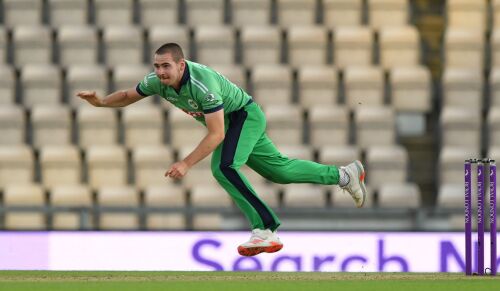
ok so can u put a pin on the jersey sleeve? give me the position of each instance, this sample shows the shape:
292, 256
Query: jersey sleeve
208, 94
148, 86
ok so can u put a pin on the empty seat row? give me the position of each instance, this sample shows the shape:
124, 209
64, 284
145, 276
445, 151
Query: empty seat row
110, 165
399, 46
408, 88
54, 125
202, 12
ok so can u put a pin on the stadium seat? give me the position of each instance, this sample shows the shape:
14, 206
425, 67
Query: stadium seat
180, 123
123, 43
234, 73
451, 195
386, 164
261, 45
462, 88
16, 165
215, 45
128, 76
411, 89
337, 13
338, 155
388, 13
374, 126
159, 12
307, 43
495, 48
150, 162
493, 127
107, 166
96, 126
64, 12
494, 84
317, 86
460, 127
284, 124
159, 35
206, 196
451, 164
353, 46
394, 195
74, 196
86, 77
342, 199
165, 196
77, 45
32, 45
328, 125
25, 195
3, 45
22, 12
464, 48
42, 85
7, 85
272, 84
466, 14
60, 165
118, 196
364, 86
209, 196
208, 221
495, 11
304, 196
268, 193
52, 125
200, 174
201, 12
296, 12
113, 12
399, 46
12, 125
250, 12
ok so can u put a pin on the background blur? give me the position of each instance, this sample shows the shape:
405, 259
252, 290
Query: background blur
411, 88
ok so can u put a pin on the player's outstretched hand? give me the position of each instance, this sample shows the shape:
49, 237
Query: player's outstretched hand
91, 97
177, 170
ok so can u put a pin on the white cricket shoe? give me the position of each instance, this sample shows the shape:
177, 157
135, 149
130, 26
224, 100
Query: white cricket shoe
356, 186
262, 240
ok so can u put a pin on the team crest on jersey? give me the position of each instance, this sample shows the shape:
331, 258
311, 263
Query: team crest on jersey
192, 103
210, 97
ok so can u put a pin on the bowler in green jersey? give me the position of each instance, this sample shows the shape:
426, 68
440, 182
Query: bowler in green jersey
235, 136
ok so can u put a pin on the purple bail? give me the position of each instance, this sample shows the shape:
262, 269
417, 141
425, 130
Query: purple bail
493, 217
480, 218
468, 216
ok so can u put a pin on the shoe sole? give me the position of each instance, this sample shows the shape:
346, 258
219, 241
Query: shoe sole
361, 181
249, 252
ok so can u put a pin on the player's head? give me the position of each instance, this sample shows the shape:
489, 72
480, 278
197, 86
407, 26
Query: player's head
169, 63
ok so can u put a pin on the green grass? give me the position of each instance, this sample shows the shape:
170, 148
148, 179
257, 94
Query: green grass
240, 281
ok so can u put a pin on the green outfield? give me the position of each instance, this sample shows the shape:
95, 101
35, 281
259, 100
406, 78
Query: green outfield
240, 281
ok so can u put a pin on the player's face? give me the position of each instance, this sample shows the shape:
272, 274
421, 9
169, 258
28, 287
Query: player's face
168, 71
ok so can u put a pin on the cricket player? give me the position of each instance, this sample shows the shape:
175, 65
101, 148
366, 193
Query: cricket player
235, 136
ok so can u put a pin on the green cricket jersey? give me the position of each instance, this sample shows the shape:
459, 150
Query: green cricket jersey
203, 91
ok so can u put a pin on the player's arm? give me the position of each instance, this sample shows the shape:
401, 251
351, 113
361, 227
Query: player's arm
116, 99
214, 136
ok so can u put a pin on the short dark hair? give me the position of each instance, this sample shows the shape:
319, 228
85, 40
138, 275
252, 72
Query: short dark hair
173, 49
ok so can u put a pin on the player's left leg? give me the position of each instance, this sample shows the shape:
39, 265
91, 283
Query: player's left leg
266, 160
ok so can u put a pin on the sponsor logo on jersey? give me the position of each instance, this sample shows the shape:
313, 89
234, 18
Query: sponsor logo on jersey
171, 99
192, 103
193, 113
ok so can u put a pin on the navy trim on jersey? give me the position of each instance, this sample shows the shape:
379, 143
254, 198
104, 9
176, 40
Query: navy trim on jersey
236, 121
186, 75
212, 110
138, 89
